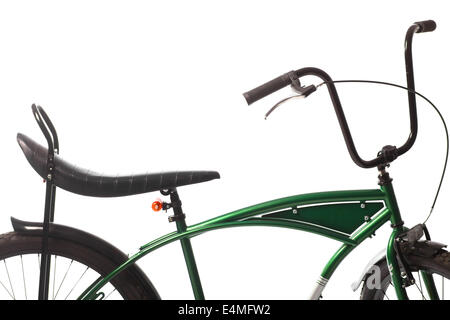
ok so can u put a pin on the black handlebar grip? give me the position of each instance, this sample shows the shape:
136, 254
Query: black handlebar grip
426, 26
268, 88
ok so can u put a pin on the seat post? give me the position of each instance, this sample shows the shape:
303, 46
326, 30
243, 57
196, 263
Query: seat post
179, 218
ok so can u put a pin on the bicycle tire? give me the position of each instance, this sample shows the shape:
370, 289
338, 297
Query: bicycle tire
438, 264
127, 283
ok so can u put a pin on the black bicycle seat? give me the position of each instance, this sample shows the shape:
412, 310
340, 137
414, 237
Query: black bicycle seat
85, 182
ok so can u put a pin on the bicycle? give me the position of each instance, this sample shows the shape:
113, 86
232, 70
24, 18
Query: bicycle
350, 217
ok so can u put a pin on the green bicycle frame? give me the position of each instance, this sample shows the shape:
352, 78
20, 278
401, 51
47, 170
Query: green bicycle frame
346, 216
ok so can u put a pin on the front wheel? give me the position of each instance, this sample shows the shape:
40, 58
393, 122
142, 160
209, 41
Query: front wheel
378, 285
74, 267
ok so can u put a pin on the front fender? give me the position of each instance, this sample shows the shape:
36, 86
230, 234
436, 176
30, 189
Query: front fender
421, 249
377, 258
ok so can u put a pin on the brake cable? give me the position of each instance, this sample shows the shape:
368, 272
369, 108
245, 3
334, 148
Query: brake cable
397, 86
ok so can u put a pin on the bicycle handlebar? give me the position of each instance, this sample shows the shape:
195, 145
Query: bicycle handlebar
426, 26
268, 88
382, 158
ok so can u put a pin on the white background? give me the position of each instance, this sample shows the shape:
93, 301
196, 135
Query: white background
135, 85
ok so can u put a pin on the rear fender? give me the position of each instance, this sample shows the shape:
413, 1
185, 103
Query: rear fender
88, 240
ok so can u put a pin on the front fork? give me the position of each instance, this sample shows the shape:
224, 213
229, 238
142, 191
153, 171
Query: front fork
393, 266
397, 279
391, 255
385, 182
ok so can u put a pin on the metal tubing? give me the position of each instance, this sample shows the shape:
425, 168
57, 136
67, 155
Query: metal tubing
191, 265
430, 285
393, 266
391, 203
192, 232
45, 124
244, 217
341, 116
52, 211
192, 269
44, 276
302, 199
397, 225
411, 95
367, 231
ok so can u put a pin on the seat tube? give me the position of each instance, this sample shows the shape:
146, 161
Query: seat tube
397, 226
186, 246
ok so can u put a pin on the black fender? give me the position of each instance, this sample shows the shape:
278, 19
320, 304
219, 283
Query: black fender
418, 254
90, 241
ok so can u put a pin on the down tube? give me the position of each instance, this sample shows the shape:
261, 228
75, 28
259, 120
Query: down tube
348, 242
175, 236
244, 217
367, 231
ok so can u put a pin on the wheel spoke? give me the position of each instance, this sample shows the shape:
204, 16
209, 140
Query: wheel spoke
420, 283
427, 275
109, 294
9, 279
385, 290
6, 289
392, 285
64, 278
23, 277
70, 277
54, 279
423, 297
76, 283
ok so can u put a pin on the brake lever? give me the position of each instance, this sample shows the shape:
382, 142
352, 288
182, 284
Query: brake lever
304, 92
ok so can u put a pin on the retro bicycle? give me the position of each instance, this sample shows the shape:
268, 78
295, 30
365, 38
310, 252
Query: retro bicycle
411, 265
